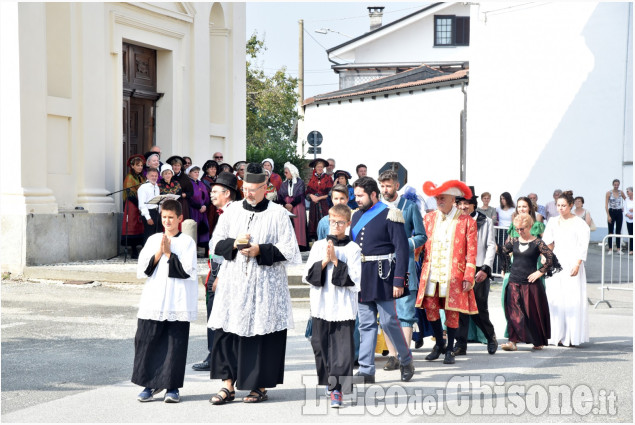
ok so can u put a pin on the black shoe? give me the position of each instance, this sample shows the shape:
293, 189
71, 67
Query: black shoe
449, 358
368, 379
492, 345
418, 344
437, 350
202, 366
407, 371
459, 351
392, 363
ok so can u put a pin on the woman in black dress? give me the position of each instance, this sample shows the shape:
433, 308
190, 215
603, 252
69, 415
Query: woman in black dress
526, 306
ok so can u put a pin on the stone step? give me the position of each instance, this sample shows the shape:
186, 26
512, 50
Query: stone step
126, 273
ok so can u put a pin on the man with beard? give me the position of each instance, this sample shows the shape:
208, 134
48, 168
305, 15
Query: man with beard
447, 275
416, 235
485, 252
222, 194
252, 306
379, 231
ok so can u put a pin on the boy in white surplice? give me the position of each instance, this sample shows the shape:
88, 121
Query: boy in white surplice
334, 270
169, 303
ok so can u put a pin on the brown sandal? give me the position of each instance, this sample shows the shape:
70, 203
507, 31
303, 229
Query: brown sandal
537, 347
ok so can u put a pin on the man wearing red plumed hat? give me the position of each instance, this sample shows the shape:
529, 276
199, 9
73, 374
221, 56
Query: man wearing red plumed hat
449, 265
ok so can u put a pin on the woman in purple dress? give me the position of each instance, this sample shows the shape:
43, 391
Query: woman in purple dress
291, 196
199, 202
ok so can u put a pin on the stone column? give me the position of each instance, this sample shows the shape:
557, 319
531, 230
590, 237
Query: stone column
237, 102
92, 111
24, 188
199, 79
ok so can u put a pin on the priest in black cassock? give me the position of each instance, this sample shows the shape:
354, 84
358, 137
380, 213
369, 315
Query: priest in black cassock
252, 306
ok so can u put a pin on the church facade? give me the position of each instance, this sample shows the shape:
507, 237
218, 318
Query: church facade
86, 85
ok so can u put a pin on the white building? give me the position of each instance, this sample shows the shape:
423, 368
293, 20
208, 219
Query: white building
550, 100
548, 105
68, 71
409, 118
404, 113
437, 35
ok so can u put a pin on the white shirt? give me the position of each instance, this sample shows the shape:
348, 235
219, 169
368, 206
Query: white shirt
505, 217
146, 192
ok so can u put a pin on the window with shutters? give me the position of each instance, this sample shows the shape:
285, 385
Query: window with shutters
451, 30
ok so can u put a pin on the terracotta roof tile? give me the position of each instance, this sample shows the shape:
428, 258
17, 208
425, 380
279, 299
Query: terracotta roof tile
458, 75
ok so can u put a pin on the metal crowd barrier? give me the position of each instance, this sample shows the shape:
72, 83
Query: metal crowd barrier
500, 235
620, 279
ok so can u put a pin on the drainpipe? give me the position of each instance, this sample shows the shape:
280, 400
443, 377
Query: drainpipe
463, 147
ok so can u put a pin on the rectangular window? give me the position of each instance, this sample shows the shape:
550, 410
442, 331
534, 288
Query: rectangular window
451, 30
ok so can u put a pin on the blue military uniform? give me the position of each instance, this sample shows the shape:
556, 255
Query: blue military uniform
380, 236
416, 234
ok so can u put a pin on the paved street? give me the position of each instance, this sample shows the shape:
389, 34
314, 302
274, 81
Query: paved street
67, 354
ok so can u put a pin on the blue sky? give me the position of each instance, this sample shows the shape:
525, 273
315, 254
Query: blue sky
277, 24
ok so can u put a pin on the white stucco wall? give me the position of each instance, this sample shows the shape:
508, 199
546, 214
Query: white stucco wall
550, 100
420, 130
62, 100
407, 42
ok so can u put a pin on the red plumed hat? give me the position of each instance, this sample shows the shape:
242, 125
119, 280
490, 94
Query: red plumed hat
451, 187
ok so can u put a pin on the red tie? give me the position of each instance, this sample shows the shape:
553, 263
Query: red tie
219, 211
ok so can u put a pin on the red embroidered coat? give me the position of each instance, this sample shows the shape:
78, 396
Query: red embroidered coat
463, 255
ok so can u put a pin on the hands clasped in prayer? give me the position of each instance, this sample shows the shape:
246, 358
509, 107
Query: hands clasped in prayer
329, 255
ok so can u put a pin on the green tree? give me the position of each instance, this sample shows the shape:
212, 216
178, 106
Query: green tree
271, 112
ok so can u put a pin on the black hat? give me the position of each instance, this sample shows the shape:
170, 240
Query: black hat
255, 173
209, 164
228, 180
171, 159
237, 165
342, 172
223, 165
150, 153
471, 200
313, 163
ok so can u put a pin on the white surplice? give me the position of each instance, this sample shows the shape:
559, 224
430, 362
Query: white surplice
163, 297
329, 302
251, 299
567, 294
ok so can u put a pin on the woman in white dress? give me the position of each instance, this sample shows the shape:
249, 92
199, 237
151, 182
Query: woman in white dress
568, 237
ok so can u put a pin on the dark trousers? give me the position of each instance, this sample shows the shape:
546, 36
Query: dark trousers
615, 226
629, 226
334, 351
481, 293
151, 229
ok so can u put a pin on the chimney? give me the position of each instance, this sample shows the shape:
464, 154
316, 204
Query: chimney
375, 13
